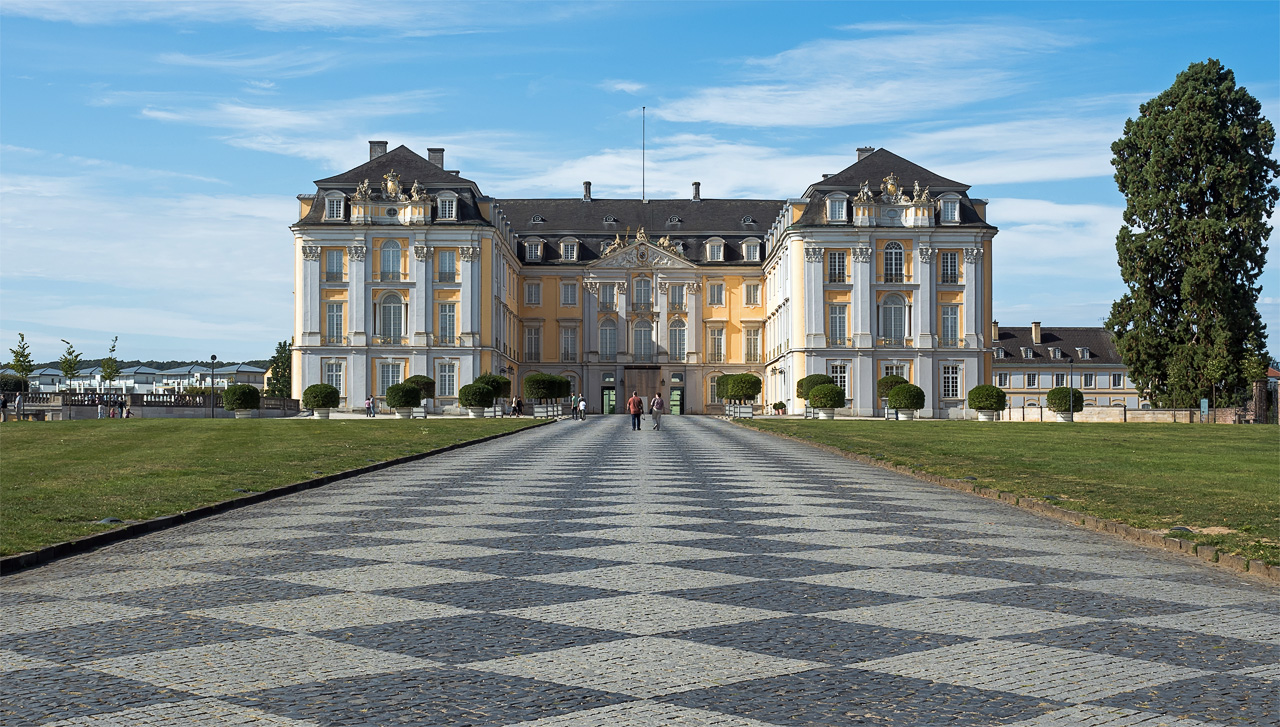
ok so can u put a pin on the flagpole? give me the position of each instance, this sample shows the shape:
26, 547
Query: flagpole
642, 150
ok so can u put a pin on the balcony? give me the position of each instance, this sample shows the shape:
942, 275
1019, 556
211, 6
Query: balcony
951, 343
643, 357
677, 306
388, 341
893, 278
391, 275
333, 276
839, 342
641, 306
447, 276
677, 357
715, 357
532, 357
609, 356
837, 278
950, 279
753, 358
335, 341
890, 342
568, 357
608, 305
447, 341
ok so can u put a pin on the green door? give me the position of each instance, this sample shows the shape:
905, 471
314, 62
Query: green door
608, 400
677, 400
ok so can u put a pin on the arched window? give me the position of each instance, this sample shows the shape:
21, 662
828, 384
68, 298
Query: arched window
893, 262
609, 340
643, 293
391, 316
893, 319
390, 260
677, 341
642, 341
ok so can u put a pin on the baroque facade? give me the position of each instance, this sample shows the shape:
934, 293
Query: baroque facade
403, 267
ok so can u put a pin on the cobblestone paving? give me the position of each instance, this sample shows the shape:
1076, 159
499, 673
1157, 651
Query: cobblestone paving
583, 575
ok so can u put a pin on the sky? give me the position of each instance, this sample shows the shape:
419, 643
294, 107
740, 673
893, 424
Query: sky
151, 151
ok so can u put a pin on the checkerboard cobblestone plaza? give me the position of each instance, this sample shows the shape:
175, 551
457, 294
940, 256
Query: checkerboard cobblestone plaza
582, 574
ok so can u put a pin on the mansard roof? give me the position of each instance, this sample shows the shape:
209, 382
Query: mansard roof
701, 217
408, 164
1101, 345
879, 164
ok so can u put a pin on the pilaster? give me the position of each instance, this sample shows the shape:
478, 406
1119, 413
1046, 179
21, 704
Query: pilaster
471, 286
421, 293
925, 304
863, 298
814, 325
973, 286
357, 295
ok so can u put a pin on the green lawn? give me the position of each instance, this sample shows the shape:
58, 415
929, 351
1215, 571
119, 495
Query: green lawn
58, 478
1153, 476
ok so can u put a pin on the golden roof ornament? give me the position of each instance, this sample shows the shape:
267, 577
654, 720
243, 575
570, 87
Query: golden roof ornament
391, 185
890, 185
362, 191
417, 193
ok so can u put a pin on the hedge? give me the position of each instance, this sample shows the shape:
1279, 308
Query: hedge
738, 387
804, 385
987, 398
476, 395
401, 396
540, 387
906, 396
321, 396
12, 382
425, 384
887, 384
501, 385
826, 396
1063, 398
241, 396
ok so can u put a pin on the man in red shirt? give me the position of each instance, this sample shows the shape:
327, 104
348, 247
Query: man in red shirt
635, 405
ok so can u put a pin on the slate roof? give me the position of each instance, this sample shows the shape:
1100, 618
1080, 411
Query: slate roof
139, 370
407, 163
1102, 348
240, 369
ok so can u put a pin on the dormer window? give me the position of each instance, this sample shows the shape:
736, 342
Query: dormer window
748, 220
1000, 352
537, 219
1055, 352
533, 251
950, 210
836, 204
447, 206
673, 220
1082, 352
610, 220
334, 206
715, 250
569, 250
751, 251
1027, 352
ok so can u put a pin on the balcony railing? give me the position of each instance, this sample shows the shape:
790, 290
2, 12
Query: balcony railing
388, 340
389, 275
641, 306
890, 342
568, 357
951, 343
677, 357
334, 340
532, 357
449, 341
447, 276
677, 306
714, 357
608, 357
839, 341
950, 279
606, 305
837, 278
753, 358
893, 278
643, 358
332, 276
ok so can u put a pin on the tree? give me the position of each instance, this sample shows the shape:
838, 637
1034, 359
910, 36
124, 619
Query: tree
1195, 168
22, 363
110, 366
281, 368
69, 363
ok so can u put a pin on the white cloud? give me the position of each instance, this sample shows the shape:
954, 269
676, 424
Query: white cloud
631, 87
891, 72
286, 64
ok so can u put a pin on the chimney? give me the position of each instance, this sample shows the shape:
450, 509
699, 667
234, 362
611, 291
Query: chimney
697, 191
864, 152
995, 331
377, 149
436, 156
586, 191
1035, 332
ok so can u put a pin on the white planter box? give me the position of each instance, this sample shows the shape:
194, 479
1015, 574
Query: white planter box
475, 412
321, 413
404, 412
826, 413
245, 413
1063, 416
986, 415
906, 415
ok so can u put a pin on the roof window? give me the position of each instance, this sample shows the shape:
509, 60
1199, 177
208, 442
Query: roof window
1027, 352
537, 219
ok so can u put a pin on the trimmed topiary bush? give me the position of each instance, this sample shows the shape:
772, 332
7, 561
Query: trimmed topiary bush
738, 387
826, 396
987, 397
1064, 399
476, 395
321, 396
906, 396
401, 396
541, 387
501, 385
887, 384
241, 396
806, 384
779, 406
425, 384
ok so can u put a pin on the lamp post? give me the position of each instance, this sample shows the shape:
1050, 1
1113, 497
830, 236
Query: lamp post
213, 359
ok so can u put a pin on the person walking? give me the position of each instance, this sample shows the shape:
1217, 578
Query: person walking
656, 406
368, 406
517, 406
17, 405
102, 410
120, 405
4, 408
573, 406
582, 408
635, 405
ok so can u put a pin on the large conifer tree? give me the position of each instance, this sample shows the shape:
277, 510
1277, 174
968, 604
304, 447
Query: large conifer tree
1195, 168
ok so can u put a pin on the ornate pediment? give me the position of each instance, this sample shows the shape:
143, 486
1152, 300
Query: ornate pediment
641, 252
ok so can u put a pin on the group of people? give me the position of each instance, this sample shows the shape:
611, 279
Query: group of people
635, 406
578, 406
108, 406
4, 405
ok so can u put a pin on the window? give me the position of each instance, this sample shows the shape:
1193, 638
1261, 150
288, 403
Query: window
753, 294
569, 251
391, 318
836, 267
950, 325
895, 370
715, 252
533, 251
715, 294
839, 372
447, 379
1055, 352
388, 375
390, 260
675, 297
1032, 381
715, 353
1089, 381
835, 208
1117, 381
1059, 380
569, 294
533, 294
1028, 352
448, 322
751, 251
333, 322
608, 297
677, 343
951, 381
532, 345
751, 345
893, 320
1083, 353
1000, 352
893, 262
333, 208
568, 345
713, 396
333, 266
643, 292
950, 210
333, 374
609, 341
447, 206
1002, 380
448, 267
837, 324
642, 341
950, 265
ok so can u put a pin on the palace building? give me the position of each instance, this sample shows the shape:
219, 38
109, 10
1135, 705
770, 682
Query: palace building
403, 267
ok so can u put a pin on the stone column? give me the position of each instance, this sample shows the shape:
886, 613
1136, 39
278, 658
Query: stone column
661, 318
973, 285
471, 286
925, 302
420, 294
694, 332
590, 320
863, 297
814, 325
310, 294
357, 293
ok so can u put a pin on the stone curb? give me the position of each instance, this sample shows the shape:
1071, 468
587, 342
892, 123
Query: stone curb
22, 561
1206, 553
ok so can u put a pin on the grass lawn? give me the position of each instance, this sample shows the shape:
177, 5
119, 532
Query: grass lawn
1221, 481
58, 478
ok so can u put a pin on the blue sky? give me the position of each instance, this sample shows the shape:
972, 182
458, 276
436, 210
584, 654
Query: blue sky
150, 151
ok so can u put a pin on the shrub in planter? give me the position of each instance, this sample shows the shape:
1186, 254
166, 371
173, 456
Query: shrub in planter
1063, 399
826, 396
241, 396
806, 384
425, 384
540, 387
887, 384
906, 396
321, 396
779, 406
987, 398
738, 387
501, 385
402, 396
476, 396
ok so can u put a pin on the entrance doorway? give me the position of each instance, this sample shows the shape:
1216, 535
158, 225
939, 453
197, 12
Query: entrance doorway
643, 381
608, 400
677, 400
